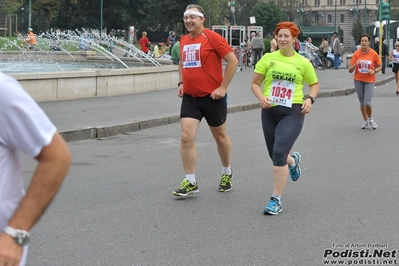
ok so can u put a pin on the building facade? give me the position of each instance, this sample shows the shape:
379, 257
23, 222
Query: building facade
340, 14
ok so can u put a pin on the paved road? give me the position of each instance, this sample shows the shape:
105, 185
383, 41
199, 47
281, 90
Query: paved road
116, 206
106, 116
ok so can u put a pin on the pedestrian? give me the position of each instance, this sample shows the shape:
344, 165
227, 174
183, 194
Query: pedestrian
25, 129
365, 62
175, 54
310, 49
337, 51
324, 47
111, 41
384, 53
273, 44
283, 74
30, 39
203, 89
257, 47
144, 43
394, 56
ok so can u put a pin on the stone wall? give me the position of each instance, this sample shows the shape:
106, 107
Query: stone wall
51, 86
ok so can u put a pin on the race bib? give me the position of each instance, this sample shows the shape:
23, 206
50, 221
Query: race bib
191, 55
364, 66
282, 92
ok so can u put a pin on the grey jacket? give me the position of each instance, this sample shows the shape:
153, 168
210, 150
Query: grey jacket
257, 43
337, 49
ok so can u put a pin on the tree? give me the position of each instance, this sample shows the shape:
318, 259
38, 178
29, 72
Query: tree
357, 30
268, 15
10, 6
48, 7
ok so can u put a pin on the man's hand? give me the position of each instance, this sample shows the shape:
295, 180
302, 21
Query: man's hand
180, 91
219, 93
10, 252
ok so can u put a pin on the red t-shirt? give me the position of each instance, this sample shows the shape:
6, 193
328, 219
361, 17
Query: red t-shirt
370, 60
143, 43
201, 58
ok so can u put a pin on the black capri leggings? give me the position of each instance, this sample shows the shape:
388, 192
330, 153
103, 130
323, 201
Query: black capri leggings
281, 127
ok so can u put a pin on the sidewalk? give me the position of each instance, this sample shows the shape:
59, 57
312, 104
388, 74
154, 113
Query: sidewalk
102, 117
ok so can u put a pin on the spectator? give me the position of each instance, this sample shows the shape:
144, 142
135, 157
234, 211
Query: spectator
337, 50
273, 44
324, 47
111, 41
84, 42
257, 47
384, 53
310, 49
161, 51
30, 39
175, 54
144, 43
25, 129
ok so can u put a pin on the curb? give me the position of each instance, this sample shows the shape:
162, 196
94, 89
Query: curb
101, 132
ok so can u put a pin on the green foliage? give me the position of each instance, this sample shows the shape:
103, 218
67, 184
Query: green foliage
10, 6
268, 15
266, 41
357, 30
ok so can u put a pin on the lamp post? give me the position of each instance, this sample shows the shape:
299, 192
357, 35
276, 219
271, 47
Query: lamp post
300, 11
101, 18
30, 14
335, 15
365, 16
232, 5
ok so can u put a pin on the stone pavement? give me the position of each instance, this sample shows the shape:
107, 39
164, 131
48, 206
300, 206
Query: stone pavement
101, 117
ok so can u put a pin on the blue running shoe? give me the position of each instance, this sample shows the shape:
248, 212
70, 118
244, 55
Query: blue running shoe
273, 208
295, 171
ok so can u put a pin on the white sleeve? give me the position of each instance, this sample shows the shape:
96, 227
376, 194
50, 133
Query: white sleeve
23, 124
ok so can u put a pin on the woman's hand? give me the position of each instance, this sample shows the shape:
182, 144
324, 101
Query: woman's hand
265, 102
306, 106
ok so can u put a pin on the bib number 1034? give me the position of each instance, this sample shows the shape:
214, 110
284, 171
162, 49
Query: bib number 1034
281, 93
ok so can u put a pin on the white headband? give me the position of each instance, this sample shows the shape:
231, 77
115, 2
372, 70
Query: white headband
192, 12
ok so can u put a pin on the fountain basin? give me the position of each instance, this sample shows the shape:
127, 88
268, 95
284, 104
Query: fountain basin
50, 86
83, 83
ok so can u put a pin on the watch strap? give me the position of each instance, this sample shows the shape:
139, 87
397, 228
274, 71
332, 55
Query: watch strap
16, 234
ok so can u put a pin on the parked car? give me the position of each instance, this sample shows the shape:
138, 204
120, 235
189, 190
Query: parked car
330, 56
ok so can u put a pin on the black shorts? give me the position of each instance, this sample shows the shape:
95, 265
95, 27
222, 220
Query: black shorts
395, 67
281, 127
214, 111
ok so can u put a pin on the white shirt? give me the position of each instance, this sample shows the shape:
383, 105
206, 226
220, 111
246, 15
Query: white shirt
310, 49
24, 128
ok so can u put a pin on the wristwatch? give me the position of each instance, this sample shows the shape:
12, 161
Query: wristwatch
311, 99
178, 84
21, 237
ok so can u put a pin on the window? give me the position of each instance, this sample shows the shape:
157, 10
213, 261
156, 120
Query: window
342, 18
329, 2
317, 2
343, 2
316, 19
329, 18
358, 2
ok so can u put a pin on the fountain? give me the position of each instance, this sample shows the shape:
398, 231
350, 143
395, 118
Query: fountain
55, 72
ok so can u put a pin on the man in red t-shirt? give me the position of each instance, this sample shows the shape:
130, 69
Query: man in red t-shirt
203, 87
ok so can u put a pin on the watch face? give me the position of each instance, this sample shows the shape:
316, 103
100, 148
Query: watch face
21, 239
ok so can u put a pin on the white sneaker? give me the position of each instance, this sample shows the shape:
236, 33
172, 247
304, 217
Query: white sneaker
366, 124
372, 123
